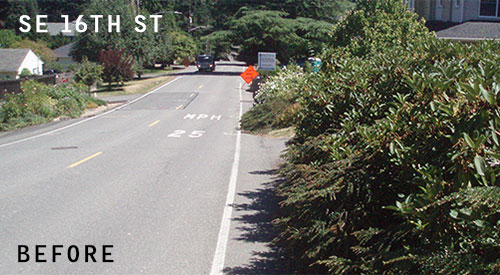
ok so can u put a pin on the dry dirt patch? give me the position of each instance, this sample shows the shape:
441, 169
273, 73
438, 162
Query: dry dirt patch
139, 86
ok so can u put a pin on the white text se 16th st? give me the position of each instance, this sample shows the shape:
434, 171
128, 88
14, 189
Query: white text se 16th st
113, 23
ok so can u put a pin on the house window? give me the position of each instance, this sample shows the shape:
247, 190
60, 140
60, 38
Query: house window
489, 8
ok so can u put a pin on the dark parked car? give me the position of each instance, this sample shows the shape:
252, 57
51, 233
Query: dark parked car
51, 72
205, 63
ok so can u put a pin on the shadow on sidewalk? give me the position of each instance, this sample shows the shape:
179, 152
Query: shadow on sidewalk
258, 227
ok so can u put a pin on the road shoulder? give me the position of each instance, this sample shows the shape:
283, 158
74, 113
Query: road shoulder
249, 248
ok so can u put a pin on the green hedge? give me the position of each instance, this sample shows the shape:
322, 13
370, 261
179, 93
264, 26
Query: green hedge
393, 169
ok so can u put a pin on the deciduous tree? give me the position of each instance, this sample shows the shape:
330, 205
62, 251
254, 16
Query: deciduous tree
88, 73
8, 38
144, 47
117, 66
39, 48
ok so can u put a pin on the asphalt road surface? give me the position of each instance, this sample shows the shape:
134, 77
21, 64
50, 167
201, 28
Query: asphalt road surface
168, 181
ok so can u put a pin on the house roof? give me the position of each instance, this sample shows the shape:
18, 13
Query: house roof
471, 31
11, 59
57, 28
64, 51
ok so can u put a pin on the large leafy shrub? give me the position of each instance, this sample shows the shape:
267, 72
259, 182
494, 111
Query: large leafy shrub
285, 84
276, 101
38, 103
394, 166
32, 105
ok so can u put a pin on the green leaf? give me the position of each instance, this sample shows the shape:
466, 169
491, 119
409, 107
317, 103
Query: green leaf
469, 141
454, 214
493, 154
409, 199
391, 148
433, 106
391, 207
479, 223
489, 97
466, 212
494, 135
455, 156
480, 165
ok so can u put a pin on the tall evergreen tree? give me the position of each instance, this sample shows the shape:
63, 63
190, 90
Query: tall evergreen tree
16, 8
142, 46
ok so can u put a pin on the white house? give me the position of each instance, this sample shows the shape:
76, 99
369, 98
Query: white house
457, 11
460, 20
13, 61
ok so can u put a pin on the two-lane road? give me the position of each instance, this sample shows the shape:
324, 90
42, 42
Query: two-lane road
151, 179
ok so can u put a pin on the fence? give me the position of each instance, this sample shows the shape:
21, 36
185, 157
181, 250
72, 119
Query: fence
14, 86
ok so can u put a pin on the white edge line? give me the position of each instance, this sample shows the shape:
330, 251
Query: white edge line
88, 119
220, 251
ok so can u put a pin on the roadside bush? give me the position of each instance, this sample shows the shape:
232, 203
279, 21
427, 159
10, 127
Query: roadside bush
32, 105
285, 84
88, 73
276, 101
394, 166
25, 72
39, 103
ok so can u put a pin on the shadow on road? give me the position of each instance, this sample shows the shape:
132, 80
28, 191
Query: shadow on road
216, 73
236, 64
258, 227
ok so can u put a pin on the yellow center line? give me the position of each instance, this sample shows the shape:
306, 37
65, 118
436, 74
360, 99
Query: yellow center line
179, 107
84, 160
191, 95
154, 123
201, 86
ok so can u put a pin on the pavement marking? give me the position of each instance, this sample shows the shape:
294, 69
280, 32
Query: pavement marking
84, 160
192, 94
220, 251
177, 134
201, 86
202, 116
194, 134
154, 123
179, 107
88, 119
